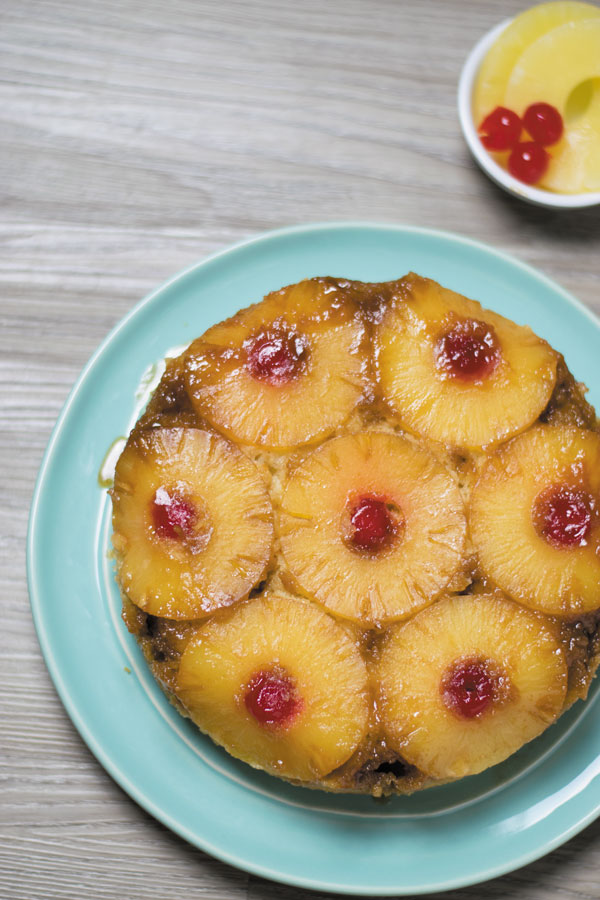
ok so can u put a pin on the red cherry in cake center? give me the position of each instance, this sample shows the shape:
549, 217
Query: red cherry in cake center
276, 357
563, 515
469, 351
172, 515
372, 524
271, 697
469, 687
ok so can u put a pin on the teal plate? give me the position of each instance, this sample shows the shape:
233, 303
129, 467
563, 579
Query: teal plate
444, 838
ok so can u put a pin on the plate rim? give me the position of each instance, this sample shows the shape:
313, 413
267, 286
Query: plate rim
35, 591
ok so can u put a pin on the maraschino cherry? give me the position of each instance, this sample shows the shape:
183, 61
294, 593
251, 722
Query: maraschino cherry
271, 698
563, 515
468, 688
469, 351
500, 130
372, 525
528, 162
173, 516
544, 123
276, 357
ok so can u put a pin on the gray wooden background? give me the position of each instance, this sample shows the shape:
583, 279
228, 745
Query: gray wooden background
136, 138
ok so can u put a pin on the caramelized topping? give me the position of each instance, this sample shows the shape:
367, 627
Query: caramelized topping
276, 357
563, 515
270, 697
470, 351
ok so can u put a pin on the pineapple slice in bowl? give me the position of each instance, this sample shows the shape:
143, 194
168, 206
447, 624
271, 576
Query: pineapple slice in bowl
573, 165
526, 29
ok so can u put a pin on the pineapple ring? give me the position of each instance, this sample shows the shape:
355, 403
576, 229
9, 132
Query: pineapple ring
318, 655
412, 666
409, 574
229, 547
471, 414
314, 400
504, 54
561, 581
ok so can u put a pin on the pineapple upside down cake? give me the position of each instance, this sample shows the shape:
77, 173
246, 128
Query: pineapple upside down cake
357, 535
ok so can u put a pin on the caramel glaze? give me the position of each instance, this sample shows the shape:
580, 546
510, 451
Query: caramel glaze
374, 768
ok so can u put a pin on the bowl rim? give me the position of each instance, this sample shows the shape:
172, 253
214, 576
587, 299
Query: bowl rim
492, 169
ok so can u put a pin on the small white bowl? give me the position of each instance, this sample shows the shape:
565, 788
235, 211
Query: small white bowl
484, 159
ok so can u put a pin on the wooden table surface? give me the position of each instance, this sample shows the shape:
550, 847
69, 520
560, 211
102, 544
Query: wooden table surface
138, 137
